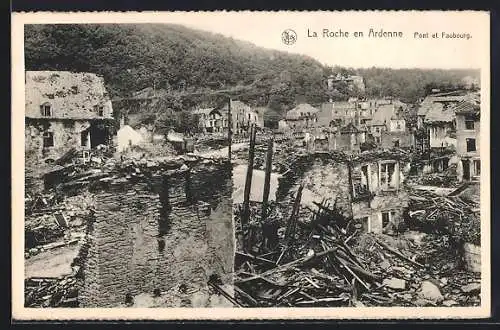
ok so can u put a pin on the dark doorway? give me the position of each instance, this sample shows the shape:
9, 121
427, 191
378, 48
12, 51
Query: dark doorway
466, 167
99, 134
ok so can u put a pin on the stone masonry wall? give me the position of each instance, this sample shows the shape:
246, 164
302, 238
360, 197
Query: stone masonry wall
323, 176
123, 246
170, 233
67, 134
394, 201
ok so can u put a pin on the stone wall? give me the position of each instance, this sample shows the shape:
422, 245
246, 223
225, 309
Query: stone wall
323, 175
394, 200
170, 234
67, 134
334, 177
123, 251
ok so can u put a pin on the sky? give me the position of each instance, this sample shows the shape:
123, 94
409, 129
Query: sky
265, 29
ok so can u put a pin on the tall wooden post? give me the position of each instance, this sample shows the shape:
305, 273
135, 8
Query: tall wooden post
267, 178
290, 229
248, 181
229, 129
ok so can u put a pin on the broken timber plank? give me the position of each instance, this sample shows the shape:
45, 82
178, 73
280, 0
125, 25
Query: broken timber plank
247, 296
397, 253
287, 266
267, 178
252, 257
248, 179
352, 272
225, 294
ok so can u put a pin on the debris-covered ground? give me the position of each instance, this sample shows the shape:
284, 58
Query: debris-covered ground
307, 253
57, 219
315, 261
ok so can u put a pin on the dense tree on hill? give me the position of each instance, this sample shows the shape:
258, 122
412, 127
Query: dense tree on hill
174, 58
410, 84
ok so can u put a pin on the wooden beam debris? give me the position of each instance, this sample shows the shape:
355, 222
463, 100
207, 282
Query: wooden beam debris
267, 178
397, 253
248, 182
292, 222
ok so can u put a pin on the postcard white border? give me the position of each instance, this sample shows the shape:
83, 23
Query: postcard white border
19, 312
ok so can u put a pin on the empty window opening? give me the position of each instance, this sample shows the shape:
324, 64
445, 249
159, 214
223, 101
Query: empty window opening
466, 169
48, 139
386, 218
84, 139
388, 177
46, 110
85, 156
469, 123
476, 167
365, 224
471, 144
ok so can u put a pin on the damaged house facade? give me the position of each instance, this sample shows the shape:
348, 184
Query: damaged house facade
388, 126
367, 187
212, 120
440, 123
435, 120
302, 116
377, 194
243, 116
468, 137
64, 110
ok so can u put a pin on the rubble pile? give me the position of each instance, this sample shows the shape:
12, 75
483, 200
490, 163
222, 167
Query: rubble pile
51, 292
454, 216
73, 178
211, 142
446, 179
51, 217
426, 266
319, 260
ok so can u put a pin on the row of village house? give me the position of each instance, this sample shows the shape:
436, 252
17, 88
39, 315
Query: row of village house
65, 110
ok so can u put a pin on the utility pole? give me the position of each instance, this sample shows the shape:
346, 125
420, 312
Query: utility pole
267, 178
229, 129
248, 182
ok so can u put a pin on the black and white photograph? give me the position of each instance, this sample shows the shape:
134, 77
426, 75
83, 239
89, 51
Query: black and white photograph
315, 162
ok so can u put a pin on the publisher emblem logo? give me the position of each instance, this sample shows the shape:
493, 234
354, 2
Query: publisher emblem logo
289, 37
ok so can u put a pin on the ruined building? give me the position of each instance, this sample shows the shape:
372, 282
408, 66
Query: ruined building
468, 135
158, 233
378, 195
367, 187
64, 110
436, 120
302, 116
353, 82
